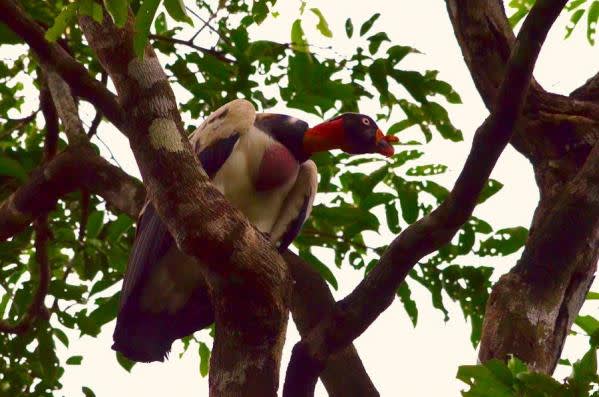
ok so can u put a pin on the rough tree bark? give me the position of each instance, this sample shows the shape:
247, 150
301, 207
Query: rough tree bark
532, 307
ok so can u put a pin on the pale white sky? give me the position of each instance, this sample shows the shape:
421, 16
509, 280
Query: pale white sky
400, 359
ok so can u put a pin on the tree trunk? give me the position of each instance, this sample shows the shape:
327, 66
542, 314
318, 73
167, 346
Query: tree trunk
531, 308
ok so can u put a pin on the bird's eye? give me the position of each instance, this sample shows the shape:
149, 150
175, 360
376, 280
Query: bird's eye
365, 121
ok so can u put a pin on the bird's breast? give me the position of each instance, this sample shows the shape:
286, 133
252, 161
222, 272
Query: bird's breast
277, 167
257, 177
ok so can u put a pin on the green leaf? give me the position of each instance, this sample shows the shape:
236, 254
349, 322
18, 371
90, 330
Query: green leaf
349, 28
94, 224
204, 352
574, 19
124, 362
12, 168
408, 199
143, 22
376, 41
592, 21
392, 218
60, 335
504, 242
118, 10
489, 190
260, 11
66, 18
323, 26
405, 296
366, 26
427, 170
592, 295
75, 360
585, 371
320, 267
485, 380
176, 9
589, 324
298, 38
87, 392
118, 227
7, 36
91, 9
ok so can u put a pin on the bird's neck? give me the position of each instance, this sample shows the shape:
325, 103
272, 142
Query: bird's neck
324, 137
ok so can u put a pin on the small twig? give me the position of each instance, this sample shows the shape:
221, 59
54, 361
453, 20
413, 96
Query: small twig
212, 16
112, 157
18, 123
93, 129
218, 55
85, 201
222, 37
36, 308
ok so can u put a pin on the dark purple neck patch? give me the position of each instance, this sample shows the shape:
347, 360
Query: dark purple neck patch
277, 167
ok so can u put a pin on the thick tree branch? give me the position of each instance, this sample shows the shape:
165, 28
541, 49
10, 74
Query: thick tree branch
311, 301
82, 84
237, 260
531, 309
36, 308
555, 132
75, 168
589, 91
375, 293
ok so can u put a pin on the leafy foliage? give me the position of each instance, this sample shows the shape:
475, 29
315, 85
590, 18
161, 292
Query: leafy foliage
363, 201
576, 9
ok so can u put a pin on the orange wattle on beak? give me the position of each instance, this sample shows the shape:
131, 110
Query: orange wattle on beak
383, 143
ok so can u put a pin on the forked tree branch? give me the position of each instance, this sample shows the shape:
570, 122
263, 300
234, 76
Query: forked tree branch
74, 168
355, 313
311, 301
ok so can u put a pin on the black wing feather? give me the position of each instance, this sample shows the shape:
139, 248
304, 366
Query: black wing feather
144, 336
294, 227
215, 155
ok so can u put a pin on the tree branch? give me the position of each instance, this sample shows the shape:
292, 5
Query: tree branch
93, 128
36, 308
236, 259
589, 91
51, 119
216, 54
555, 132
311, 301
67, 110
375, 293
72, 169
531, 308
82, 84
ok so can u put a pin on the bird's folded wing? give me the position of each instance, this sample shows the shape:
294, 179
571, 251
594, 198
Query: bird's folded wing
145, 335
296, 207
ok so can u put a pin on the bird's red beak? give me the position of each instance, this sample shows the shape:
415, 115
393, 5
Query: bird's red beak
384, 142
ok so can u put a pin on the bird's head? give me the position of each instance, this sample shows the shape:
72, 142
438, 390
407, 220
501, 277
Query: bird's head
351, 132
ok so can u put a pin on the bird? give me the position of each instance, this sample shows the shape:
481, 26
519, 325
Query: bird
261, 163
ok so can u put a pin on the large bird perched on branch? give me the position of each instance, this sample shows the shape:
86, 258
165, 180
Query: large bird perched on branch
260, 163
